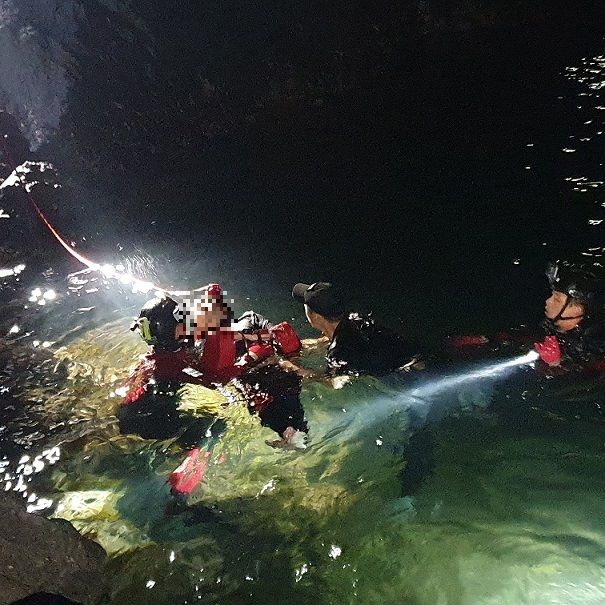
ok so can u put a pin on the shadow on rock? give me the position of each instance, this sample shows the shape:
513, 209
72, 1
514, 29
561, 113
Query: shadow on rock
44, 561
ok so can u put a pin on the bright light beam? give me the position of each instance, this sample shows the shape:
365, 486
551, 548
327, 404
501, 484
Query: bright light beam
492, 370
422, 401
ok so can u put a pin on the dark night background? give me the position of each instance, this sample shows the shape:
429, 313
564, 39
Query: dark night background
381, 145
430, 156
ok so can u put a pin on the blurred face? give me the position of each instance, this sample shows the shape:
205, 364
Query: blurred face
555, 303
208, 319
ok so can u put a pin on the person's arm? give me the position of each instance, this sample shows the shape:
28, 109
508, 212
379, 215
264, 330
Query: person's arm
255, 354
262, 344
251, 322
315, 343
308, 344
290, 366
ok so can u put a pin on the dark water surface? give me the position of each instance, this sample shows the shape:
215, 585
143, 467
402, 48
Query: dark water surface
434, 189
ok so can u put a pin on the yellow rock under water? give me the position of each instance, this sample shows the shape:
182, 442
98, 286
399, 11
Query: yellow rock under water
90, 504
94, 514
200, 400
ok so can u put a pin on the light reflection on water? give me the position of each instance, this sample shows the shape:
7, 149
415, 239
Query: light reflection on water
590, 77
504, 517
17, 476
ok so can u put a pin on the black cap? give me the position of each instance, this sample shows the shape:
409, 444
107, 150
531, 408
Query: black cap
321, 297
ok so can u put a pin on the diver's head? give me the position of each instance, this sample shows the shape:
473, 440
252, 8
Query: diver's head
206, 313
575, 294
159, 324
323, 304
564, 311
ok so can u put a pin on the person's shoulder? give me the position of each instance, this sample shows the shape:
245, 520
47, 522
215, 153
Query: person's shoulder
347, 341
375, 332
368, 346
349, 328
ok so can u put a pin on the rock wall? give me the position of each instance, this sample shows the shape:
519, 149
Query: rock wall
38, 555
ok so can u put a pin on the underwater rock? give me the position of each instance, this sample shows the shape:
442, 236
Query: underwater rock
40, 556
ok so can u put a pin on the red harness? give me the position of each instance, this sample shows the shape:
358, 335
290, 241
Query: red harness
217, 362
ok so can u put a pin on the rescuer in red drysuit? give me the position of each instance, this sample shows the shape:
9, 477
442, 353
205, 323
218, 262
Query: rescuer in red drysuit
183, 352
566, 384
568, 378
197, 342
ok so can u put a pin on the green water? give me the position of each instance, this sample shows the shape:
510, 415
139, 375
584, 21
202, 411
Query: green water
510, 514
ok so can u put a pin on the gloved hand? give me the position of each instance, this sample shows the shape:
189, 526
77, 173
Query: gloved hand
260, 351
549, 350
285, 338
291, 440
255, 353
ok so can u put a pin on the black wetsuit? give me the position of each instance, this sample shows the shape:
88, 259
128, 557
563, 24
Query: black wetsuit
156, 416
283, 387
361, 345
581, 347
250, 322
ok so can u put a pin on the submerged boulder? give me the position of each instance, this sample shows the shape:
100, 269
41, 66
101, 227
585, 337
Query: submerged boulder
39, 556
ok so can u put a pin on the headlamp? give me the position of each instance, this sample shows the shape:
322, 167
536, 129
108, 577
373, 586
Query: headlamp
145, 330
552, 273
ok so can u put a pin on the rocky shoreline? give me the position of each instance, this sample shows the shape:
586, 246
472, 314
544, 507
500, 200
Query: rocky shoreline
46, 561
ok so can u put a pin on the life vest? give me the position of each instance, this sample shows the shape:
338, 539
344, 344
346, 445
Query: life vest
217, 362
282, 337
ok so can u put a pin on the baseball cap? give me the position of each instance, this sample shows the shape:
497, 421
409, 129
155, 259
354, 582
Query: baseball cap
322, 297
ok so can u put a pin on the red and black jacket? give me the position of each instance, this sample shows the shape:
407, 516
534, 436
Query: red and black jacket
214, 363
